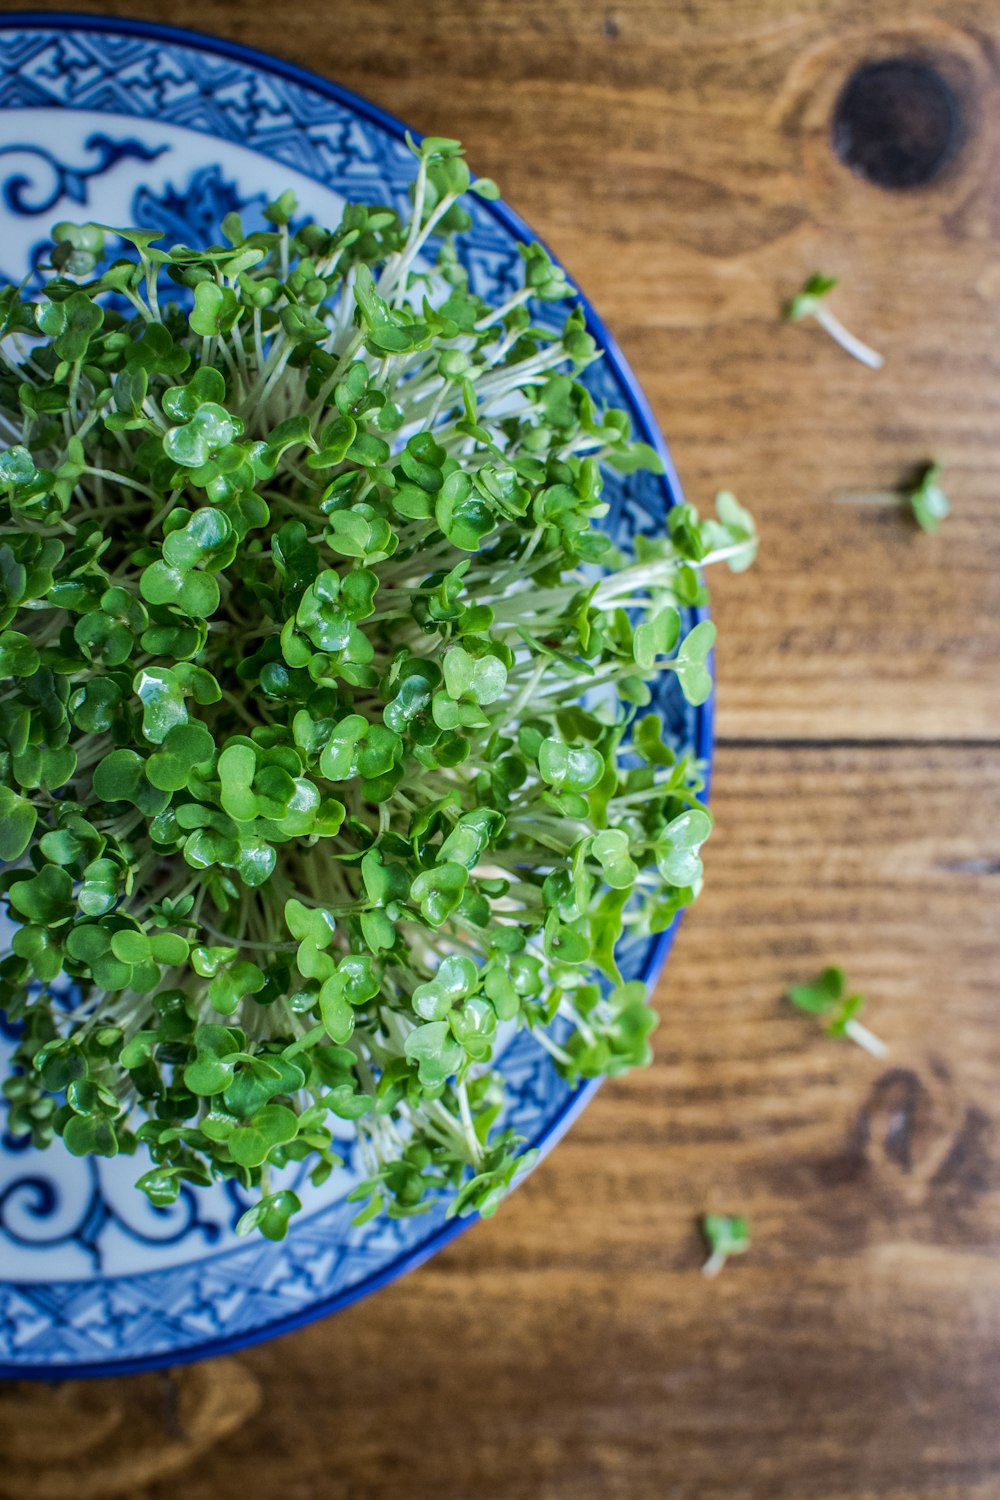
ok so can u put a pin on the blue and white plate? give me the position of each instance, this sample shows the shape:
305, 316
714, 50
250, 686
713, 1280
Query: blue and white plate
128, 123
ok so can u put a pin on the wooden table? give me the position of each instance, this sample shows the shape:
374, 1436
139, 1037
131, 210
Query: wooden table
677, 155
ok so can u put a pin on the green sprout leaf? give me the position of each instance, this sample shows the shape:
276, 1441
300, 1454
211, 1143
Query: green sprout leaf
274, 1125
928, 502
679, 845
725, 1236
18, 817
455, 980
479, 680
577, 767
435, 1052
162, 697
807, 302
691, 663
270, 1215
656, 637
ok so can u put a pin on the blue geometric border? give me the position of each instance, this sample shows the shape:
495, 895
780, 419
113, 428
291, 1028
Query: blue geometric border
210, 117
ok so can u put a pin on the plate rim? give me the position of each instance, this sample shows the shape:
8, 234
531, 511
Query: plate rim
647, 428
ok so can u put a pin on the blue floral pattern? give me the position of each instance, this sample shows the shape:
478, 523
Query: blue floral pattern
49, 181
94, 1279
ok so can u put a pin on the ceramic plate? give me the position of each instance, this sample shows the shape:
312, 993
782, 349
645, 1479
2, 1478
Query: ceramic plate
136, 124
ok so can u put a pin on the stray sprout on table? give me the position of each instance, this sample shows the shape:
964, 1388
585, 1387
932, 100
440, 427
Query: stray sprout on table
927, 503
726, 1236
828, 997
810, 302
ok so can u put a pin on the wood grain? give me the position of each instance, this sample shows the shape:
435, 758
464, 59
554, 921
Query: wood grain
676, 154
89, 1441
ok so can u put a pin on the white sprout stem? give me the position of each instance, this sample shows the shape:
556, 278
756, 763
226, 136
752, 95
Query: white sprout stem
417, 213
497, 316
551, 1048
866, 1039
847, 340
715, 1263
468, 1126
398, 279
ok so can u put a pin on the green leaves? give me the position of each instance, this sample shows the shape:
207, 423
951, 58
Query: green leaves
389, 330
577, 767
207, 539
547, 280
657, 636
361, 531
162, 698
237, 769
457, 977
18, 657
352, 983
464, 515
251, 1143
357, 748
132, 947
822, 996
691, 663
215, 310
218, 1049
232, 984
17, 823
471, 836
479, 680
193, 594
89, 1135
270, 1215
207, 385
677, 849
209, 429
435, 1052
185, 749
738, 531
121, 777
439, 891
47, 897
725, 1236
611, 850
806, 303
928, 502
81, 318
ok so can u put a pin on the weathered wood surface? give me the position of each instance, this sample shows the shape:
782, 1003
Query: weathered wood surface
676, 154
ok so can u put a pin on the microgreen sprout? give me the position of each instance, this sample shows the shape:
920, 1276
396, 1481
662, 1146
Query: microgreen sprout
928, 502
828, 997
810, 302
725, 1236
326, 755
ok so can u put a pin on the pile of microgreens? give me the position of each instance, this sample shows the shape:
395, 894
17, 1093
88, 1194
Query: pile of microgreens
325, 748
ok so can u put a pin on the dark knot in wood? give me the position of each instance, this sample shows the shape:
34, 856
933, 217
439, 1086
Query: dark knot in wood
897, 123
